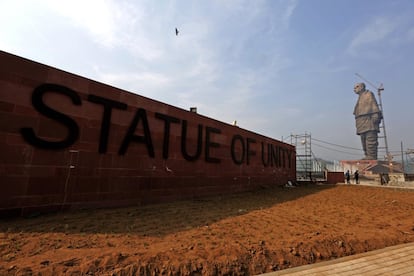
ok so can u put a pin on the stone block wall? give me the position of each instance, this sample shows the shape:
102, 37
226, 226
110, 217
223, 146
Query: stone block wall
334, 177
68, 141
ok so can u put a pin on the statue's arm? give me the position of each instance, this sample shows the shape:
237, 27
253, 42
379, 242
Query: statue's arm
376, 117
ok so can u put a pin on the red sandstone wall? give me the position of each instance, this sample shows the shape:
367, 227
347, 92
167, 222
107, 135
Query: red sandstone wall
67, 141
335, 177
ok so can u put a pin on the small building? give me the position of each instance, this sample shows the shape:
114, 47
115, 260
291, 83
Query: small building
371, 167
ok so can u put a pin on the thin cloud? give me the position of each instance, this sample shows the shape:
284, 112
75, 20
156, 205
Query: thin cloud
145, 77
111, 24
95, 17
288, 12
410, 34
374, 32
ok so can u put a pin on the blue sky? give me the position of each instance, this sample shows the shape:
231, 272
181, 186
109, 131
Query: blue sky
278, 67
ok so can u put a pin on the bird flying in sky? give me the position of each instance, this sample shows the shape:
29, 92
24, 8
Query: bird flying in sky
176, 31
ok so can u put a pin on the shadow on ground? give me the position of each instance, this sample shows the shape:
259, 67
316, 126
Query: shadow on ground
160, 219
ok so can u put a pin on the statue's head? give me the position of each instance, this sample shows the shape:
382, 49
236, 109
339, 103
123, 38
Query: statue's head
359, 87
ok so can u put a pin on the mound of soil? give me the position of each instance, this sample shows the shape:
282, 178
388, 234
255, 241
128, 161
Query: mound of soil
243, 234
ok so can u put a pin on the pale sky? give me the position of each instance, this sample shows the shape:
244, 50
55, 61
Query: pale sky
278, 67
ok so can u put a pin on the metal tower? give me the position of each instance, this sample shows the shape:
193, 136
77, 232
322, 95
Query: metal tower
307, 166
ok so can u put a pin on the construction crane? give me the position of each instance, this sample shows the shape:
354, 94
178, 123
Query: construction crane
388, 156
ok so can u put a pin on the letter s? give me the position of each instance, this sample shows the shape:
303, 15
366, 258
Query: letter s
37, 101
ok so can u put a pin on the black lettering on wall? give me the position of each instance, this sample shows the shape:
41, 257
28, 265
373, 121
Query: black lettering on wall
236, 138
248, 147
37, 102
265, 162
275, 156
106, 118
130, 136
167, 126
184, 152
289, 153
283, 157
242, 149
210, 144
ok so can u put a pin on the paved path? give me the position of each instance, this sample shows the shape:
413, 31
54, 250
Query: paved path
395, 260
401, 185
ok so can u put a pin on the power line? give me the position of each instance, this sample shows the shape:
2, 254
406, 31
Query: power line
336, 150
332, 144
335, 146
395, 152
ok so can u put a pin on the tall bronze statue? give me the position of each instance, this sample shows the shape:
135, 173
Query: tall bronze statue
368, 117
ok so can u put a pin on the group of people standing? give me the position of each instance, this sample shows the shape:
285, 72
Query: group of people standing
348, 177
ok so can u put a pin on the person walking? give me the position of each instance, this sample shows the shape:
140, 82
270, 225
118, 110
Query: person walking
348, 177
356, 177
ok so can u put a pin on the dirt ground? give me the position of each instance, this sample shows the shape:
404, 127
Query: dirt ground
244, 234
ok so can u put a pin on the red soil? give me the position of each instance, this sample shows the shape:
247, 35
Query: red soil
241, 234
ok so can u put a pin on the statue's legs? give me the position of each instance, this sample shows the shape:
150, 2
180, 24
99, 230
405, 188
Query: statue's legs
370, 144
364, 143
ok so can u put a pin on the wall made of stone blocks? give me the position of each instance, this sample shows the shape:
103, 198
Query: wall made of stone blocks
67, 141
335, 177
